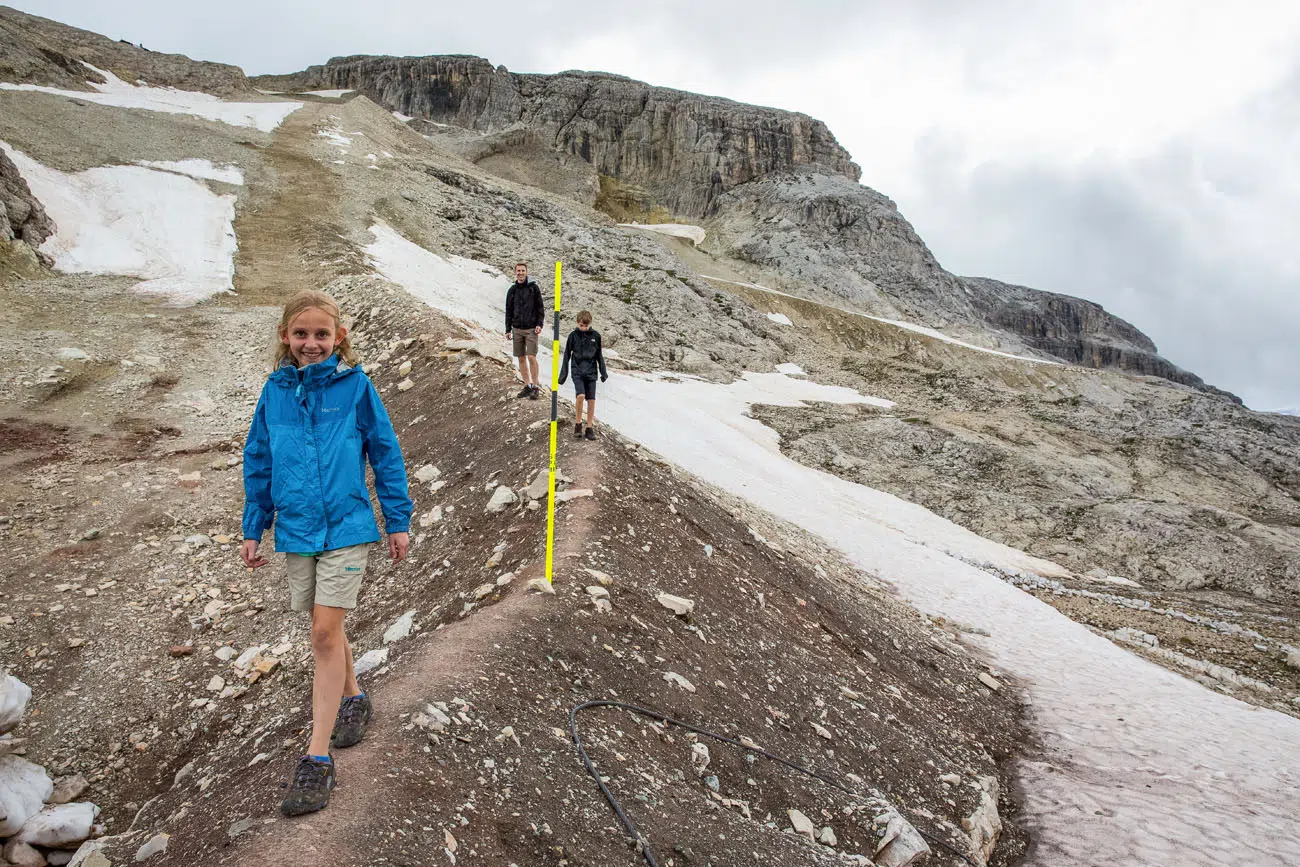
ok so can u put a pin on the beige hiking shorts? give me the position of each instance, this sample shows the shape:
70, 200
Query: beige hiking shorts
330, 578
525, 341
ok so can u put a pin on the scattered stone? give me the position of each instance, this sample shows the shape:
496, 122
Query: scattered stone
1293, 658
431, 517
574, 494
156, 846
711, 782
371, 660
990, 681
708, 550
217, 684
401, 628
984, 826
67, 789
198, 540
61, 826
21, 854
802, 824
827, 837
902, 845
823, 732
432, 719
485, 590
674, 677
541, 585
601, 577
597, 592
950, 779
179, 650
23, 789
503, 496
404, 370
678, 605
14, 695
240, 826
700, 757
405, 385
427, 473
225, 653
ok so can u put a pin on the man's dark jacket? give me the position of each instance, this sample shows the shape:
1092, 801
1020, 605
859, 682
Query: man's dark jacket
524, 306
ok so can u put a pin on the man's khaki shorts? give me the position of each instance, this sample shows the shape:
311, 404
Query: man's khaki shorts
329, 578
525, 341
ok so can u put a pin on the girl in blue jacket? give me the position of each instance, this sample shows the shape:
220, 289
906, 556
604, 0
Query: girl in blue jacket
317, 422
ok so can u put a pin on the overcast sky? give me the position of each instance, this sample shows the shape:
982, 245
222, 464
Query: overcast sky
1145, 155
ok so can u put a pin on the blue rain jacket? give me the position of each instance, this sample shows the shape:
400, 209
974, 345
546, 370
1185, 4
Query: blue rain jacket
305, 461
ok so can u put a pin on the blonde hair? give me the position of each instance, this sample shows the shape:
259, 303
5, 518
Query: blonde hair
312, 299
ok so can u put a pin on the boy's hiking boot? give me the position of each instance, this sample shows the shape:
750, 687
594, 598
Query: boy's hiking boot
313, 780
577, 431
534, 392
591, 433
350, 724
527, 391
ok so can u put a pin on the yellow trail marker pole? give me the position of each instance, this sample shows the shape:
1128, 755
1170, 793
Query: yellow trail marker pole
555, 421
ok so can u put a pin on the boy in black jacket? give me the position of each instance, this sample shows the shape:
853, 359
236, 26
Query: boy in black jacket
525, 315
583, 347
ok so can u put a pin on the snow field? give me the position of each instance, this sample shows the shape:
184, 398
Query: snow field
897, 323
694, 234
1138, 766
196, 168
265, 116
168, 229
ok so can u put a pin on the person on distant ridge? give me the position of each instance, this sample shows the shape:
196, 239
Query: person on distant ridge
525, 316
584, 348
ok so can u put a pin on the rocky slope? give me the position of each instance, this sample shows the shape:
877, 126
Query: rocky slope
35, 50
774, 187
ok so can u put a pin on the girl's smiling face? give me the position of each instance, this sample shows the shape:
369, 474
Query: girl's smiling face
312, 336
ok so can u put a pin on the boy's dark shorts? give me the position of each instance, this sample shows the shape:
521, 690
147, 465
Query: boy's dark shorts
585, 386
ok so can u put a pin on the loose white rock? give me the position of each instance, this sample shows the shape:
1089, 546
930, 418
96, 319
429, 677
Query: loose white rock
371, 660
427, 473
14, 695
503, 496
678, 605
802, 824
61, 826
400, 628
674, 677
23, 789
156, 846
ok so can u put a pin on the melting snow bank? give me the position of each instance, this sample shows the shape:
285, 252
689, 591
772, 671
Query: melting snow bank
265, 116
167, 229
897, 323
1139, 766
195, 168
694, 234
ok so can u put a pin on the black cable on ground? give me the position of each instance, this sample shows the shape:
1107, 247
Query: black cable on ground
642, 844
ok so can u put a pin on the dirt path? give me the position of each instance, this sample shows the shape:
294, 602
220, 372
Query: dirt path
290, 236
371, 783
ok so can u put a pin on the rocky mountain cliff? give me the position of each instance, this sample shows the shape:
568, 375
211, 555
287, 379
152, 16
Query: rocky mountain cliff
35, 50
773, 187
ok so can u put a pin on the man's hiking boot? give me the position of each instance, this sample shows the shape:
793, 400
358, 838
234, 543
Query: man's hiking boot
577, 431
313, 780
534, 392
591, 433
526, 392
350, 724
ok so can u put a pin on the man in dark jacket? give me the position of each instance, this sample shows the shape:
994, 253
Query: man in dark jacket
584, 350
525, 316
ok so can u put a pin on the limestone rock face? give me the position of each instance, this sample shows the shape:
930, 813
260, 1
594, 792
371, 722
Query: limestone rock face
36, 50
1072, 329
21, 215
660, 147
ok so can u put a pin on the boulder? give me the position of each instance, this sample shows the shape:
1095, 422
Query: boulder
23, 790
14, 695
502, 497
802, 825
902, 845
984, 826
61, 826
678, 605
22, 854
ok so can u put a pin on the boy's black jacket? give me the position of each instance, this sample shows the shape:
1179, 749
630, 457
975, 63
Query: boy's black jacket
524, 306
584, 348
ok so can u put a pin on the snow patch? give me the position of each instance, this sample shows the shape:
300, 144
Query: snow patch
264, 116
790, 369
341, 141
780, 318
167, 229
694, 234
328, 94
404, 118
196, 168
908, 326
1137, 765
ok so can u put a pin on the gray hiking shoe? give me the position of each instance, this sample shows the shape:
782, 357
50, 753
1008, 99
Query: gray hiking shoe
527, 390
577, 431
591, 433
313, 780
350, 724
534, 392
